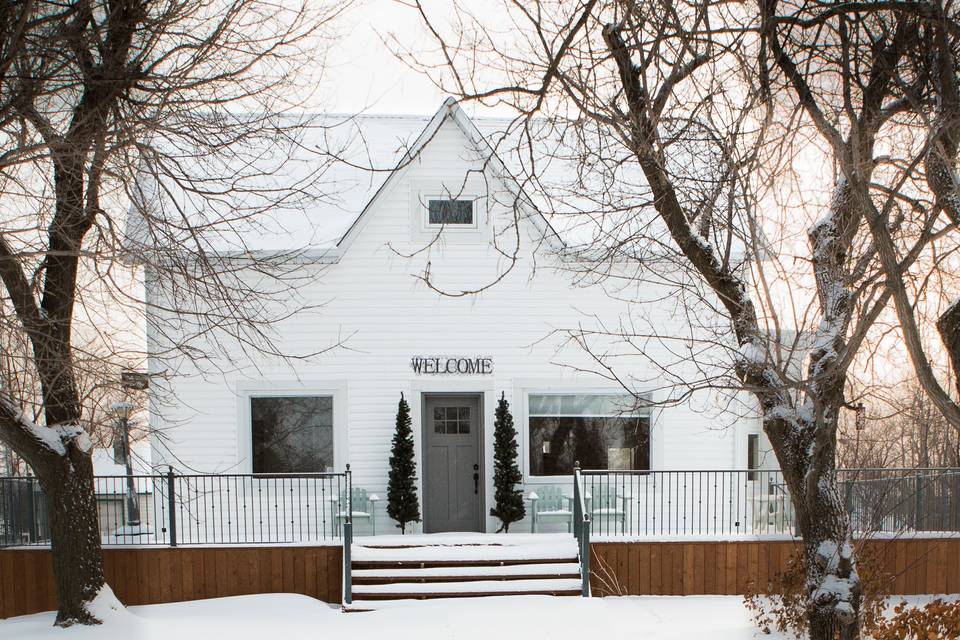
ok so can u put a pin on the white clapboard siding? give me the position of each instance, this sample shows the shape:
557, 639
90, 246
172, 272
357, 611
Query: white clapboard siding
373, 297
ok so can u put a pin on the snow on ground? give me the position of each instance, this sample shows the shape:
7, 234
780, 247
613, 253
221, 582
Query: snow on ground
295, 617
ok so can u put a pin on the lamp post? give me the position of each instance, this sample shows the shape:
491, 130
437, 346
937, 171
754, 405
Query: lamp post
122, 411
860, 423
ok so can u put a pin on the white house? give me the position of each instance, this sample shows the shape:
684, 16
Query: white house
451, 357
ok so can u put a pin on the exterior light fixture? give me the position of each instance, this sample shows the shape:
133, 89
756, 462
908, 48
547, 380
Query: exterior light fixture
122, 411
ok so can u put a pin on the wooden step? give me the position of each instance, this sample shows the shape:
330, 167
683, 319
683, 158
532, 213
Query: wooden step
427, 564
471, 594
458, 550
431, 567
541, 571
468, 589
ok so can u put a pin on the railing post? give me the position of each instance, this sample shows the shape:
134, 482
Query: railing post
172, 505
581, 530
348, 540
919, 519
585, 560
577, 515
848, 486
954, 504
33, 525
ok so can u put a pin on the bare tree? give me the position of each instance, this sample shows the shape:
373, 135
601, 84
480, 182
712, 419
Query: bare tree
130, 104
926, 110
908, 431
682, 123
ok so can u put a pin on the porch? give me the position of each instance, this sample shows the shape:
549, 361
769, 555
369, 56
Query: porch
172, 509
688, 567
655, 532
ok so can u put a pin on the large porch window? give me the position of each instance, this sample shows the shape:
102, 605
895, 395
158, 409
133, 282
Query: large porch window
292, 434
602, 431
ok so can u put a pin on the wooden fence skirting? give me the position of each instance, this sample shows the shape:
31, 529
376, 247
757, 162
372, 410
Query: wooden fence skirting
156, 575
912, 566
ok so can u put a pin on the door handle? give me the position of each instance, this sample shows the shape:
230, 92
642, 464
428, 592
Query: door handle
476, 479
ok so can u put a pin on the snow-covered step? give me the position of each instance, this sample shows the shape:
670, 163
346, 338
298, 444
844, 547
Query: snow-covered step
467, 588
527, 571
396, 568
463, 539
453, 550
378, 605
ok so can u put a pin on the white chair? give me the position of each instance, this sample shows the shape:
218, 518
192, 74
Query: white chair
550, 503
363, 506
771, 513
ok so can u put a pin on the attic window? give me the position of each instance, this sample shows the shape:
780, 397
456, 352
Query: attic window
450, 212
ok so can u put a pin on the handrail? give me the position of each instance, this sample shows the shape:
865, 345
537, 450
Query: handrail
644, 472
581, 530
261, 475
348, 540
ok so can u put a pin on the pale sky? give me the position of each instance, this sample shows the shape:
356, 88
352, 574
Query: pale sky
363, 74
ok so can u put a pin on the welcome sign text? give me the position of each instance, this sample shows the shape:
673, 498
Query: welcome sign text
446, 365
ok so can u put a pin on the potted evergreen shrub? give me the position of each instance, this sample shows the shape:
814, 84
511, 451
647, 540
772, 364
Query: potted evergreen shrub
508, 496
403, 505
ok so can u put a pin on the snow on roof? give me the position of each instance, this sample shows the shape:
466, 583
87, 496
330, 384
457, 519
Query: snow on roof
345, 160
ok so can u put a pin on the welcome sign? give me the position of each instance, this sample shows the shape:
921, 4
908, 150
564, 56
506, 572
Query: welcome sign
451, 365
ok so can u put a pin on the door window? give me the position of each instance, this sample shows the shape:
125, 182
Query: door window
451, 420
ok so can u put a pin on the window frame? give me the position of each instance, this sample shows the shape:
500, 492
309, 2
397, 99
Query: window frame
246, 392
754, 466
446, 226
526, 392
471, 187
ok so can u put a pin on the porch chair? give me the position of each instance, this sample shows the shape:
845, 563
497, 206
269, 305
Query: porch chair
549, 503
772, 513
363, 507
605, 501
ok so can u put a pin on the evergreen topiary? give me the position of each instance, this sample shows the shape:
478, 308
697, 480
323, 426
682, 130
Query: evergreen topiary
402, 502
506, 474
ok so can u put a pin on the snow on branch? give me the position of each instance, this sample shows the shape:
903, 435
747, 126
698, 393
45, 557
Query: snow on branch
834, 589
16, 425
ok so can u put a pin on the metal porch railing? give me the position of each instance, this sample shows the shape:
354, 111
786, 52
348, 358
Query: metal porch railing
182, 509
185, 509
581, 530
348, 539
733, 503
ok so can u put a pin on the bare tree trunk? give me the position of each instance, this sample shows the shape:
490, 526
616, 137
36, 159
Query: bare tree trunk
834, 593
60, 457
833, 588
74, 533
949, 327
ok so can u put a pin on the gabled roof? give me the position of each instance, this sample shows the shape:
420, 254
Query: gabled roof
451, 110
352, 159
